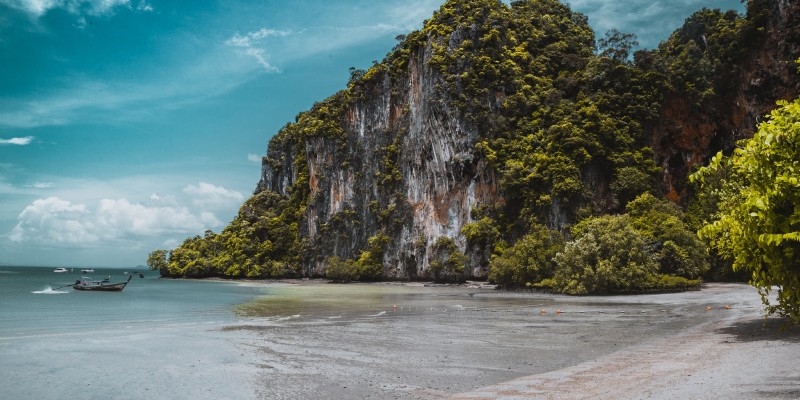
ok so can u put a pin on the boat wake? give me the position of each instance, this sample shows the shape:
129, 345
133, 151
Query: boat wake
379, 314
49, 290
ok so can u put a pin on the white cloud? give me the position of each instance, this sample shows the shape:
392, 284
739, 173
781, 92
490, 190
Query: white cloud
251, 45
41, 185
53, 222
252, 38
19, 141
122, 218
206, 195
254, 158
118, 101
144, 6
37, 8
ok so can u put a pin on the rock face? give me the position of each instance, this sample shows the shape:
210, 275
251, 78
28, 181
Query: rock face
688, 134
408, 169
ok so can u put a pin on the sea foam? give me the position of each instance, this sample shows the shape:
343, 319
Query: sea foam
49, 290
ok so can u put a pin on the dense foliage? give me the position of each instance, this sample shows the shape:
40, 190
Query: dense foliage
564, 124
649, 248
529, 260
758, 222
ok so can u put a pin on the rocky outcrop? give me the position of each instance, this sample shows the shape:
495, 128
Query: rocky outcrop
689, 134
391, 165
406, 167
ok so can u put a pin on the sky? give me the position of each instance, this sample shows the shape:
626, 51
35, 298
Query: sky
129, 125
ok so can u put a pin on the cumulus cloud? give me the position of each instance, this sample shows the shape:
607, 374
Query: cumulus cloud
37, 8
19, 141
206, 195
56, 222
254, 158
53, 220
251, 44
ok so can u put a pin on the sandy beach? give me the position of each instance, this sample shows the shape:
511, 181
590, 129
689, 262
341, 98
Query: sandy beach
737, 358
461, 343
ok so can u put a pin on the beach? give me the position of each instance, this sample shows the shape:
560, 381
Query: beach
188, 339
464, 342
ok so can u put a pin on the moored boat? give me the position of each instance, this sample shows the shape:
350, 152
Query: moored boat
60, 270
87, 271
87, 283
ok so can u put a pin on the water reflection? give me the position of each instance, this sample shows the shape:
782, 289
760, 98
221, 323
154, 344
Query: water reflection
331, 300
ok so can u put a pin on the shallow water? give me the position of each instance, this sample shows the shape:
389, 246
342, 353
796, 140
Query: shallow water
157, 338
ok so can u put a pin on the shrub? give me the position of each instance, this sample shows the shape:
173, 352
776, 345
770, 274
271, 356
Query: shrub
339, 270
608, 256
530, 260
674, 245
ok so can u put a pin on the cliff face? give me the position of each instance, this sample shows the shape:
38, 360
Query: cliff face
747, 87
406, 167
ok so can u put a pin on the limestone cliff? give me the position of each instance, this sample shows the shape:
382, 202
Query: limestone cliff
405, 156
491, 120
406, 165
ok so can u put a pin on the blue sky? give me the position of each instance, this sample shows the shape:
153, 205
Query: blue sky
128, 125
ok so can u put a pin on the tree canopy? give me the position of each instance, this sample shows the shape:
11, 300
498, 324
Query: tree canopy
758, 222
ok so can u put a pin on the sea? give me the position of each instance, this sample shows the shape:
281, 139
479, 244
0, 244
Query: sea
159, 338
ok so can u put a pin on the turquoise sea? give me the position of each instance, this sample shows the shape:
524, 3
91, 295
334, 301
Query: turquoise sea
159, 338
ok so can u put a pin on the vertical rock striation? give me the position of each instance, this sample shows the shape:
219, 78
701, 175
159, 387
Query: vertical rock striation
405, 166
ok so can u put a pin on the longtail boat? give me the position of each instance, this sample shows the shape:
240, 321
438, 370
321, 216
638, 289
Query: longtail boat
86, 283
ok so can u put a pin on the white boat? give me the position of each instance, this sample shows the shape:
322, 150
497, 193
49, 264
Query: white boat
60, 270
87, 271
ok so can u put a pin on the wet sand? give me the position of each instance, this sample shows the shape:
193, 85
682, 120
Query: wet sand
378, 341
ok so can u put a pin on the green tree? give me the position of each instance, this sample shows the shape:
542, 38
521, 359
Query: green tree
529, 260
339, 270
758, 222
617, 45
675, 247
608, 256
157, 261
